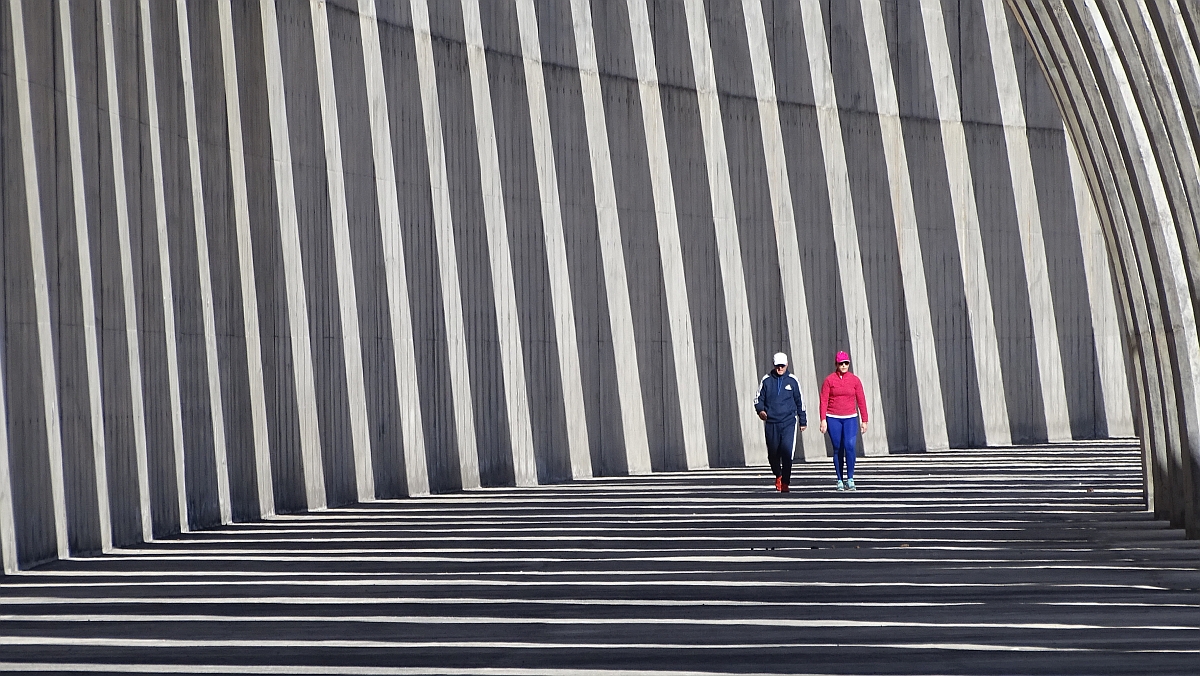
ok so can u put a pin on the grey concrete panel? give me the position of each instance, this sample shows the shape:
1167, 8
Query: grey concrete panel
934, 208
814, 222
577, 194
71, 340
28, 449
421, 259
869, 185
522, 203
202, 492
379, 368
557, 36
1072, 308
1006, 276
317, 248
286, 467
614, 42
635, 203
943, 274
462, 163
215, 178
718, 395
753, 206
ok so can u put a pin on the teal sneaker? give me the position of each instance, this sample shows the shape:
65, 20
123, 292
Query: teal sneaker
841, 486
850, 485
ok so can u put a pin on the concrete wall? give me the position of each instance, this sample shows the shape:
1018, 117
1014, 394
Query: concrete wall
268, 257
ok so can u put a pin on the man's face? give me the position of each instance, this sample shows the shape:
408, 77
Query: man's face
780, 368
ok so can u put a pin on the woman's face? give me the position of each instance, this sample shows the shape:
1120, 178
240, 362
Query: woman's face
843, 366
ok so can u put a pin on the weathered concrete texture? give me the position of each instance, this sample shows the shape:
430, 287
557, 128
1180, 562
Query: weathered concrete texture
261, 256
1035, 560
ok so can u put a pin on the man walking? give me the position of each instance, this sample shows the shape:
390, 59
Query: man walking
779, 404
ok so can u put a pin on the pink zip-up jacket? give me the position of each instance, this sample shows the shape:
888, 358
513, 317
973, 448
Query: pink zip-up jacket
840, 395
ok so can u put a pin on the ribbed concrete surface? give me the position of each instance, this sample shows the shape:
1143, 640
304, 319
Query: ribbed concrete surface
1016, 561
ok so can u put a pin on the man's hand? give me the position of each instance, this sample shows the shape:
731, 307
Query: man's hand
803, 427
824, 427
762, 415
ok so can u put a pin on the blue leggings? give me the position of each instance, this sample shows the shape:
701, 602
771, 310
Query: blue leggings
843, 432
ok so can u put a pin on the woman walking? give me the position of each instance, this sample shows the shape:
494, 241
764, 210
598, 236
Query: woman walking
842, 404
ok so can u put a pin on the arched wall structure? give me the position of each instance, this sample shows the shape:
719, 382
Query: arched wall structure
265, 256
1127, 76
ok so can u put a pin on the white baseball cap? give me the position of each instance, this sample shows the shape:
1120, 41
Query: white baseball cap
780, 358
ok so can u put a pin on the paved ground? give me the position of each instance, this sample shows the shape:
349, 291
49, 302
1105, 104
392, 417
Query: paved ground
1023, 561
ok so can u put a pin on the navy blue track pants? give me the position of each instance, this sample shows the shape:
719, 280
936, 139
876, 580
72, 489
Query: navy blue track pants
781, 442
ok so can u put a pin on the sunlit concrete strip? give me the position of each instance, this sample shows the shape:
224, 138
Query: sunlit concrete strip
679, 315
400, 312
908, 242
200, 228
364, 473
508, 325
845, 229
729, 246
293, 266
87, 291
1106, 329
795, 299
556, 246
132, 345
41, 291
164, 266
1177, 297
612, 252
326, 670
1029, 221
443, 223
8, 525
976, 287
249, 291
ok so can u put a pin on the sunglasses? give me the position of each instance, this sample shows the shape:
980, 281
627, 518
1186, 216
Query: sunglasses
843, 363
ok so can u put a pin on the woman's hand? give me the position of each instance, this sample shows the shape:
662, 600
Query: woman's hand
824, 427
862, 428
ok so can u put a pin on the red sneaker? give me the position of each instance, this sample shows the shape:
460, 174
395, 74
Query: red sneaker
783, 488
779, 483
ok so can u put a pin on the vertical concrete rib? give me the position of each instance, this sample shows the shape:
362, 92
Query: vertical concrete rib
411, 426
612, 254
245, 246
795, 298
556, 247
8, 525
845, 229
439, 187
86, 290
364, 472
1106, 330
508, 328
908, 242
976, 288
132, 343
37, 247
293, 265
679, 315
200, 227
1029, 220
637, 449
164, 265
729, 246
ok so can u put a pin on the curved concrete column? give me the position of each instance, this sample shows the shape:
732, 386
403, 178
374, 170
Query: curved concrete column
1123, 76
